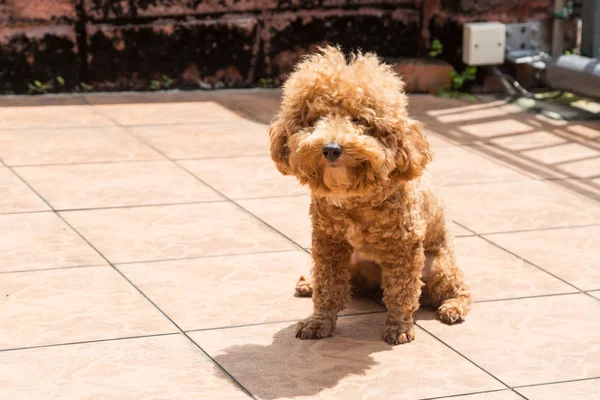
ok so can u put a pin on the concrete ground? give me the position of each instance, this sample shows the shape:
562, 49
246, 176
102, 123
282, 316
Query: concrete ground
150, 249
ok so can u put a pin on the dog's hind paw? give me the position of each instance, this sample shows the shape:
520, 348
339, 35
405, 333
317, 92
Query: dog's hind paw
303, 287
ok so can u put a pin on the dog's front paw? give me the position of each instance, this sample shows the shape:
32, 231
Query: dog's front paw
398, 334
315, 327
453, 311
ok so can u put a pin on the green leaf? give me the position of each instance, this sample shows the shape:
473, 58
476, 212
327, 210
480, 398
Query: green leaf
60, 81
37, 84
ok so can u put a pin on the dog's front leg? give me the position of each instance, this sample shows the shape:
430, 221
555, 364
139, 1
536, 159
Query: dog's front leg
331, 286
401, 290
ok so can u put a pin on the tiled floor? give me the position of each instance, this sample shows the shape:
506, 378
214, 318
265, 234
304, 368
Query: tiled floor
150, 250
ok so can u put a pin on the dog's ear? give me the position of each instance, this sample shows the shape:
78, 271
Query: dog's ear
280, 153
413, 152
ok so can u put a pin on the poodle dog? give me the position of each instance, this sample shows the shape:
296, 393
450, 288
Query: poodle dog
377, 219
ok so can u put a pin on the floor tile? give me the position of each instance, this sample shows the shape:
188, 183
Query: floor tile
37, 147
166, 367
459, 231
437, 140
529, 341
51, 117
494, 274
15, 196
497, 395
289, 215
493, 129
167, 232
595, 293
572, 254
580, 390
118, 184
510, 206
72, 305
228, 291
217, 139
354, 364
525, 141
245, 177
166, 113
457, 165
41, 241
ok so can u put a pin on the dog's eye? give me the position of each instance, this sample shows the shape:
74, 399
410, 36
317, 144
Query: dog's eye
356, 121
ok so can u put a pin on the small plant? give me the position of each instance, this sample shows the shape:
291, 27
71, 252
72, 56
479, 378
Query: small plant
84, 87
436, 48
266, 82
38, 87
458, 82
164, 84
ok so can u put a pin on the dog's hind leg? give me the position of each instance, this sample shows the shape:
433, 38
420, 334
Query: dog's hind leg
445, 285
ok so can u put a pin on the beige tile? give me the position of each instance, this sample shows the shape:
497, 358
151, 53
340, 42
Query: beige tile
572, 254
504, 127
561, 153
72, 305
15, 196
524, 141
493, 273
354, 364
118, 184
217, 139
502, 113
438, 140
177, 231
166, 367
245, 177
41, 241
497, 395
289, 215
579, 390
595, 294
457, 165
166, 113
228, 291
529, 341
585, 168
47, 117
36, 147
586, 132
526, 205
459, 231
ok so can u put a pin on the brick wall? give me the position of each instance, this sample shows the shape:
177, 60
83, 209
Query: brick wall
126, 44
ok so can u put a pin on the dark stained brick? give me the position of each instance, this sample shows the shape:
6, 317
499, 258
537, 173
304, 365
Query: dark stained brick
41, 53
289, 35
31, 11
204, 54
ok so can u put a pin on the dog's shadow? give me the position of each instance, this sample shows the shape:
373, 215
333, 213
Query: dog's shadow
291, 368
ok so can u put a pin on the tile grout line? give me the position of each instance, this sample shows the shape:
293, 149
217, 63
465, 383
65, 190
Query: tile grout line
43, 346
529, 262
465, 394
215, 363
557, 382
223, 370
218, 328
465, 357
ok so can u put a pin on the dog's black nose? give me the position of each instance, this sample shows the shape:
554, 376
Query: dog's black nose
332, 151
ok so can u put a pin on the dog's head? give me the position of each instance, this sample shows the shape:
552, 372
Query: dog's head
343, 128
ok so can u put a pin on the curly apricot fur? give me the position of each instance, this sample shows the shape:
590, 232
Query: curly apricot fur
376, 215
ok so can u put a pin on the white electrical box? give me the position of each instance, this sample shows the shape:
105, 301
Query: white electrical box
483, 43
